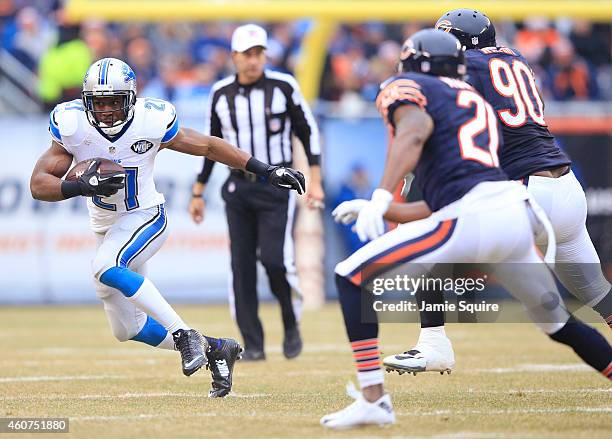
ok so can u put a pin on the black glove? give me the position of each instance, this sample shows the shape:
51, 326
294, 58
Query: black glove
287, 178
92, 183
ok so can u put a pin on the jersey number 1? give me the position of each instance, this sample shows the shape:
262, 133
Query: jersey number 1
131, 192
484, 119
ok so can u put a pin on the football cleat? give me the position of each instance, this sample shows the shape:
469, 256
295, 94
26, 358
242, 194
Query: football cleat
192, 346
433, 353
221, 364
361, 412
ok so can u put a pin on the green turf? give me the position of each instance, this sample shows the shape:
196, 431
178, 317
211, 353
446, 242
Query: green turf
510, 381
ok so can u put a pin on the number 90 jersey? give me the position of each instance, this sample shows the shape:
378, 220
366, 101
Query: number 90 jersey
462, 148
134, 148
506, 81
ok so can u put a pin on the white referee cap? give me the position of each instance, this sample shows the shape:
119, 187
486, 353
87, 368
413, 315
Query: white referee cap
247, 36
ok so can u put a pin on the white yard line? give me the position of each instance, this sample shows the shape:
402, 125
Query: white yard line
59, 378
543, 391
433, 413
130, 396
528, 367
511, 411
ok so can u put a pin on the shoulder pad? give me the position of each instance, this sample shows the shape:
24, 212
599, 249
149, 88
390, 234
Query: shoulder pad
398, 90
68, 122
64, 119
159, 116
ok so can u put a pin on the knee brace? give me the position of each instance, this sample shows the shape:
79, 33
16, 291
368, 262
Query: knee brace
123, 279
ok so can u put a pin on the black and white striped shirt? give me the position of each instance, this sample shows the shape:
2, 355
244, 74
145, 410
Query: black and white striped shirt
260, 118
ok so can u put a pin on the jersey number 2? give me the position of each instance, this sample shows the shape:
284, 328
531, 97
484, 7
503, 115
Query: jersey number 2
484, 119
131, 192
513, 85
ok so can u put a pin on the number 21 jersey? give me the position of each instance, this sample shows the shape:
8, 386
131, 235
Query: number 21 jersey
462, 148
134, 148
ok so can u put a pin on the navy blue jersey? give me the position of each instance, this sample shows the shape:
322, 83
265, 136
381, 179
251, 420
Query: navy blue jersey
505, 79
462, 148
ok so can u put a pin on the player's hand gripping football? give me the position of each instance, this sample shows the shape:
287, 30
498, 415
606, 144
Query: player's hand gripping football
287, 178
370, 223
92, 183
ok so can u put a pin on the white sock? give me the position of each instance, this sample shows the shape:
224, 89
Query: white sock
167, 343
149, 300
434, 332
370, 378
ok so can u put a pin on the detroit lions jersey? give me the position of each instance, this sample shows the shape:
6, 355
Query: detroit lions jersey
462, 149
134, 148
507, 82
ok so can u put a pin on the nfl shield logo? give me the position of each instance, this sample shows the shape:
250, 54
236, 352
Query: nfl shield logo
112, 149
475, 41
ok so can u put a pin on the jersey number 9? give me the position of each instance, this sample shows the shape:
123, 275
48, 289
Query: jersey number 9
513, 84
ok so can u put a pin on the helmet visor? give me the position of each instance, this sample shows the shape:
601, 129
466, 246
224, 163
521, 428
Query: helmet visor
108, 110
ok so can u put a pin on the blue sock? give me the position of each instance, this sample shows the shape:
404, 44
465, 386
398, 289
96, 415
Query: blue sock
152, 333
589, 344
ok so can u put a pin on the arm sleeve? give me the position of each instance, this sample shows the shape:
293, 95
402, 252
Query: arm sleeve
303, 125
172, 128
54, 127
212, 127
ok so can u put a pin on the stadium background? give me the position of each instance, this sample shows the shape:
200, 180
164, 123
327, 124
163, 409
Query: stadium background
338, 51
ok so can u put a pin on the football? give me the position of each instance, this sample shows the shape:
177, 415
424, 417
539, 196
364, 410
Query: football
107, 167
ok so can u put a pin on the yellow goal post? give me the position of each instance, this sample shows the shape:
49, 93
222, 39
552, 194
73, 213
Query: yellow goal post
325, 15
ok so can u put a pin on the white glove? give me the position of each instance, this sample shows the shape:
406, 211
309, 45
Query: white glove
370, 223
347, 211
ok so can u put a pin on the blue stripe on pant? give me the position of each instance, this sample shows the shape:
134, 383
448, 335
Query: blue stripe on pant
143, 239
122, 278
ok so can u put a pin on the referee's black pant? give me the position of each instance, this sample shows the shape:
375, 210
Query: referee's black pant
260, 217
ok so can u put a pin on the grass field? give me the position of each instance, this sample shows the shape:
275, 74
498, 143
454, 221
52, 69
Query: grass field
510, 381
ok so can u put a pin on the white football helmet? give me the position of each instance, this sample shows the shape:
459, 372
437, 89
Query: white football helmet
108, 78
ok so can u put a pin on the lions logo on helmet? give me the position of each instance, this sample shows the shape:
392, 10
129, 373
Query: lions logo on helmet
109, 95
128, 73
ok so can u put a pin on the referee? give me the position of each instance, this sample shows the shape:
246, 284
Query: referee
258, 110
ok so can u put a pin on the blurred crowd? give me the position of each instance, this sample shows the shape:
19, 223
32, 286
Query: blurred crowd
180, 61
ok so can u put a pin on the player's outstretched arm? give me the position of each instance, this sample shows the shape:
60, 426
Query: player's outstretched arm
406, 212
189, 141
45, 183
413, 126
348, 211
192, 142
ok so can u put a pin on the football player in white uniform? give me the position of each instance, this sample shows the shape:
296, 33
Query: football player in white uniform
127, 213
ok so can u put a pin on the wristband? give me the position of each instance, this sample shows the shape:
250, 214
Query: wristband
70, 189
257, 167
382, 198
194, 195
